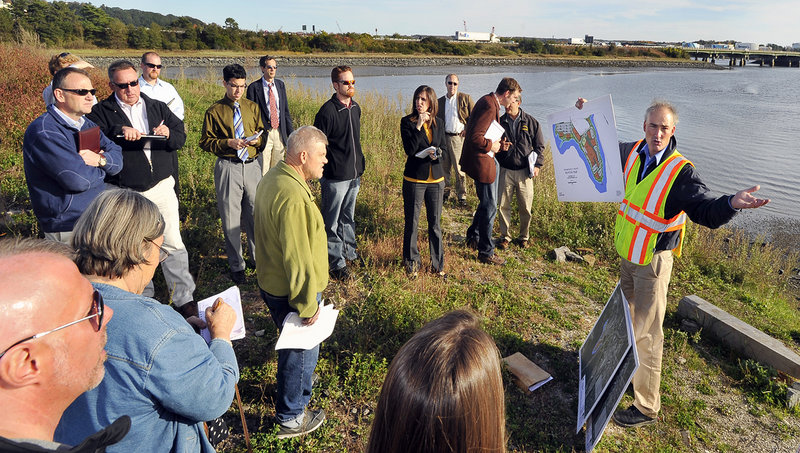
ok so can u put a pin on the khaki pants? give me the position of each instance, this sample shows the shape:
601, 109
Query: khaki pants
515, 182
273, 152
645, 287
450, 160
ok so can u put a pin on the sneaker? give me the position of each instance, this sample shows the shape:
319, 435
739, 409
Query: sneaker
501, 243
632, 417
341, 274
238, 277
493, 260
311, 421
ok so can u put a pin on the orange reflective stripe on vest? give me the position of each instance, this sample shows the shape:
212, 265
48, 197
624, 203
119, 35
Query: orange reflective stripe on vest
640, 218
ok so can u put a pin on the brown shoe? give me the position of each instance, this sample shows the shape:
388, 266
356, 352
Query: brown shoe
493, 260
501, 243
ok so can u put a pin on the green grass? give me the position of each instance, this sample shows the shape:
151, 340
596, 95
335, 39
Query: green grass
533, 305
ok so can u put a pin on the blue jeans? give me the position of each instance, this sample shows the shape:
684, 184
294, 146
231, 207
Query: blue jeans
338, 209
483, 221
295, 366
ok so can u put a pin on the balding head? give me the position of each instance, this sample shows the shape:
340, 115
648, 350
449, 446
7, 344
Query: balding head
41, 290
306, 152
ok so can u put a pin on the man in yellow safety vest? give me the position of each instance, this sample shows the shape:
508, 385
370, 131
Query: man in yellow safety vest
661, 190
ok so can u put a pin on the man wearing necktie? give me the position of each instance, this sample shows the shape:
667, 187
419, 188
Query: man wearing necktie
227, 125
270, 95
662, 189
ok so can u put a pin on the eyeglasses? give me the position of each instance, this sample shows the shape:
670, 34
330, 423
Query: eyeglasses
453, 83
96, 310
123, 86
163, 254
79, 91
271, 67
348, 83
153, 66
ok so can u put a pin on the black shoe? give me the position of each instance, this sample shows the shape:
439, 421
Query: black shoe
472, 244
632, 417
462, 203
311, 421
493, 260
341, 274
187, 310
238, 277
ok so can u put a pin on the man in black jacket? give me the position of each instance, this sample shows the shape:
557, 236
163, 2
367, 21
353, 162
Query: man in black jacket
340, 119
516, 171
270, 95
131, 119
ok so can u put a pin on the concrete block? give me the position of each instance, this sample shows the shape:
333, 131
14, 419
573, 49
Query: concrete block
740, 336
792, 397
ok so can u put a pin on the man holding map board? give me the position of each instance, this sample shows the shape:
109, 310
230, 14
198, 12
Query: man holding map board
662, 188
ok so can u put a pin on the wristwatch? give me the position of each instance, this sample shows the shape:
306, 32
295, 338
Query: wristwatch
102, 162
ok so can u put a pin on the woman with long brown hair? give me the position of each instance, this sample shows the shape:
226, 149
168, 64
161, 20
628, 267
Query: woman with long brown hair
443, 392
423, 179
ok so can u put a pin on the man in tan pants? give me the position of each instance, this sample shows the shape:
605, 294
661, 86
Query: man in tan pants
661, 189
454, 110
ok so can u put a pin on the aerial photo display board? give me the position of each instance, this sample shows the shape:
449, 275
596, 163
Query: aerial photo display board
603, 354
585, 149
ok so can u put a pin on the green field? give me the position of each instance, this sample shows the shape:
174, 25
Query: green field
711, 400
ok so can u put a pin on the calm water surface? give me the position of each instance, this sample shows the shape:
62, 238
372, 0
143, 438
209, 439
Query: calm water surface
735, 125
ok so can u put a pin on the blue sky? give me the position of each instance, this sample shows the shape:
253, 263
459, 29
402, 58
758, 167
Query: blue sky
772, 21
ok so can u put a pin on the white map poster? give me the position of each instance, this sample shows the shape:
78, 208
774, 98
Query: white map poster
585, 151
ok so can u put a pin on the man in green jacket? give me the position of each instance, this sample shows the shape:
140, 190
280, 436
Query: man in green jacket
292, 267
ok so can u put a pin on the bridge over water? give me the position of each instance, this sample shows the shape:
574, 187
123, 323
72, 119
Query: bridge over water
741, 57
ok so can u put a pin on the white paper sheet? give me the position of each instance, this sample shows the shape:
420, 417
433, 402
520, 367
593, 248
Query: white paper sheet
425, 152
495, 132
295, 335
232, 297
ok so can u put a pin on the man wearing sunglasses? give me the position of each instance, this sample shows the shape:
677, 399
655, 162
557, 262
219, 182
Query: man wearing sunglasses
63, 179
52, 339
270, 95
156, 88
150, 136
339, 119
454, 111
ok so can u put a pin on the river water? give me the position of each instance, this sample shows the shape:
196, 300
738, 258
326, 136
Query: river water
735, 125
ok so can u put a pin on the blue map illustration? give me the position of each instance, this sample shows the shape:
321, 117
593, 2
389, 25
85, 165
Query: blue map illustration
591, 151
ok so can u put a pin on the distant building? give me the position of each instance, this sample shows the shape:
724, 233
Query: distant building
470, 36
796, 46
577, 41
691, 45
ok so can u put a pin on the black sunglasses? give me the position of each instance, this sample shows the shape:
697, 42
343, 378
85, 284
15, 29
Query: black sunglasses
452, 83
96, 310
80, 91
122, 86
151, 65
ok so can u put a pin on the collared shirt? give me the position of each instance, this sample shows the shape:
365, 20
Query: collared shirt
453, 124
164, 92
70, 122
270, 86
137, 115
648, 159
513, 123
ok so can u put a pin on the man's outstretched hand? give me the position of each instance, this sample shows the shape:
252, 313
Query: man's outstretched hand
744, 199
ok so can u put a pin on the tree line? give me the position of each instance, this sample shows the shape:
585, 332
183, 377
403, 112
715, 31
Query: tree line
81, 25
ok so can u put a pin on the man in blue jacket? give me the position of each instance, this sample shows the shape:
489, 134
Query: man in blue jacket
63, 179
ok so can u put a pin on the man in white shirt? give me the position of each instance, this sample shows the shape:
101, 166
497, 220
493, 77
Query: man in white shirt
270, 95
454, 110
156, 88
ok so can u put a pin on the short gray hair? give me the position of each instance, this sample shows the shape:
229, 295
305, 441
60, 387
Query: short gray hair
15, 246
110, 237
302, 139
659, 104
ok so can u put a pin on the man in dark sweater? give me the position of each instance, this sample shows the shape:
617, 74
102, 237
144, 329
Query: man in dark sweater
340, 120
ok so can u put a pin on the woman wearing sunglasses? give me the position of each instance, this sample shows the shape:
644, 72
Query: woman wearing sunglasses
423, 179
159, 371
